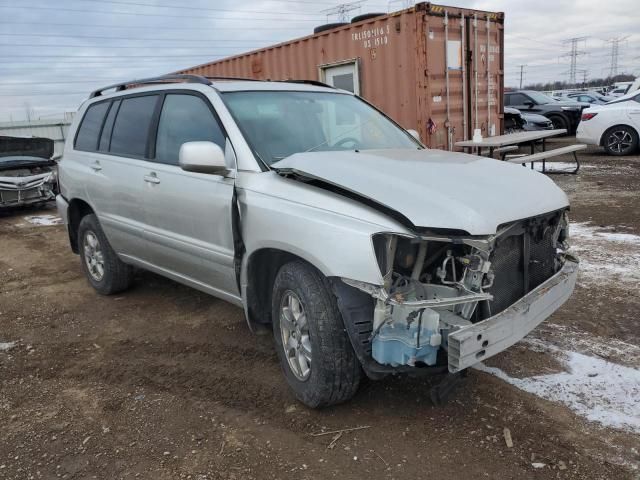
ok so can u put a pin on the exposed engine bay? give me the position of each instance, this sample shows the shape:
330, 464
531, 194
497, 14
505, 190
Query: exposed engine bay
28, 175
435, 285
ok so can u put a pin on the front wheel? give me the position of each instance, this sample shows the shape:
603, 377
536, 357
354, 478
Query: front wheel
621, 140
102, 267
314, 350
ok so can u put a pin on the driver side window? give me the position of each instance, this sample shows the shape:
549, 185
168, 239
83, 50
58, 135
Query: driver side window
185, 118
519, 99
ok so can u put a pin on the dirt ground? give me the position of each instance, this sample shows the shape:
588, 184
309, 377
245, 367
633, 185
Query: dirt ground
164, 382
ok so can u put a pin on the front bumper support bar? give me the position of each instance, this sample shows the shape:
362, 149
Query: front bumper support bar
474, 343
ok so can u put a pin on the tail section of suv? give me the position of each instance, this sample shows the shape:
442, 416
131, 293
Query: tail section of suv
364, 252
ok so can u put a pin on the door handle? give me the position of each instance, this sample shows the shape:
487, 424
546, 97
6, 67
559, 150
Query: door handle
152, 178
96, 166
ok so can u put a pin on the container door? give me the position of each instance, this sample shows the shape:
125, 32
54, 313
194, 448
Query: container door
343, 76
485, 47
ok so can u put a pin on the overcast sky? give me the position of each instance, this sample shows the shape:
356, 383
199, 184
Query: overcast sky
52, 53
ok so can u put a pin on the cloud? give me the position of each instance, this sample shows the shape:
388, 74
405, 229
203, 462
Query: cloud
53, 54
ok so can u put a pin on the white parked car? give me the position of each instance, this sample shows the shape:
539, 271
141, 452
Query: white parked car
614, 126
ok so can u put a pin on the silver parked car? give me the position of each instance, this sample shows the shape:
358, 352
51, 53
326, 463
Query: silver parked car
363, 251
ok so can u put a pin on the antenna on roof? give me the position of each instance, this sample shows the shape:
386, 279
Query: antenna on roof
342, 10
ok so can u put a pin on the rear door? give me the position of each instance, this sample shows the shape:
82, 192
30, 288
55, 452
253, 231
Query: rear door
116, 165
188, 215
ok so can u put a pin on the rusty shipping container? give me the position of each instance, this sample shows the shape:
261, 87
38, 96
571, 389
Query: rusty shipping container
433, 68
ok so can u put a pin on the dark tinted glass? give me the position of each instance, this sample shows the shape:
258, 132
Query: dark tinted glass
87, 138
517, 99
108, 126
131, 129
184, 118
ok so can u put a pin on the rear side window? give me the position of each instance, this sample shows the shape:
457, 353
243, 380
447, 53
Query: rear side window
105, 137
131, 128
87, 137
185, 118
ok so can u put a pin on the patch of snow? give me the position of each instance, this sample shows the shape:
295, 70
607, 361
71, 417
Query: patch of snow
588, 232
555, 166
570, 339
6, 346
606, 255
44, 220
598, 390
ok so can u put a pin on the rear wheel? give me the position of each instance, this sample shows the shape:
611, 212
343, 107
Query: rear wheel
314, 350
102, 267
620, 140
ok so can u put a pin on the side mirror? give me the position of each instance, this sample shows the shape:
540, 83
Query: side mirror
414, 134
529, 103
202, 157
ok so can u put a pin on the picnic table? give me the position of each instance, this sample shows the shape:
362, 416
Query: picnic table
509, 139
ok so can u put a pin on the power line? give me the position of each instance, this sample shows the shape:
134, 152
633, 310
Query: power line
139, 14
186, 7
153, 27
110, 37
164, 47
116, 56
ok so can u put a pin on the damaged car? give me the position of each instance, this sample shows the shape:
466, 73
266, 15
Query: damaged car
362, 251
27, 171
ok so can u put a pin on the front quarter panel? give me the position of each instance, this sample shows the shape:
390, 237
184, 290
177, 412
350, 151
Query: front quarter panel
331, 232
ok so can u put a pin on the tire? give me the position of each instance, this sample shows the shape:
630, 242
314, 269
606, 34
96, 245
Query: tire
559, 122
620, 140
95, 251
329, 26
367, 16
334, 371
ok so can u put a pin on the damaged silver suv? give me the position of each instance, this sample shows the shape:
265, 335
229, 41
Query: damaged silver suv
364, 252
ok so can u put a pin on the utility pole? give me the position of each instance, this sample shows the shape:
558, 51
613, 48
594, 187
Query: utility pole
615, 54
522, 67
584, 73
573, 55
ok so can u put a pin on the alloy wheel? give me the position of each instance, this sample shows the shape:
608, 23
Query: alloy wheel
294, 329
619, 141
93, 256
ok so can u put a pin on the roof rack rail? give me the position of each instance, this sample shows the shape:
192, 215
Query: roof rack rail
317, 83
240, 79
161, 79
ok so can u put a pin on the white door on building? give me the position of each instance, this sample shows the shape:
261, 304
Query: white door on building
344, 76
344, 123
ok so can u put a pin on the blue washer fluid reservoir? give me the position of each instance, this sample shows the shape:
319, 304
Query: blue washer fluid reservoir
404, 343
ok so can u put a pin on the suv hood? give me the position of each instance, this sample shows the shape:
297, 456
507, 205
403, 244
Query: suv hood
431, 189
26, 146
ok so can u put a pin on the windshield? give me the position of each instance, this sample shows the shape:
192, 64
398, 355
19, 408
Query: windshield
541, 98
279, 124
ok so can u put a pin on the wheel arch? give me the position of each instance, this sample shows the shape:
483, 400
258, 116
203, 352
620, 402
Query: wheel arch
617, 125
259, 273
77, 209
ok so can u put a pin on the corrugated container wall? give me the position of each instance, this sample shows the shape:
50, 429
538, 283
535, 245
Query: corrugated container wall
436, 69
